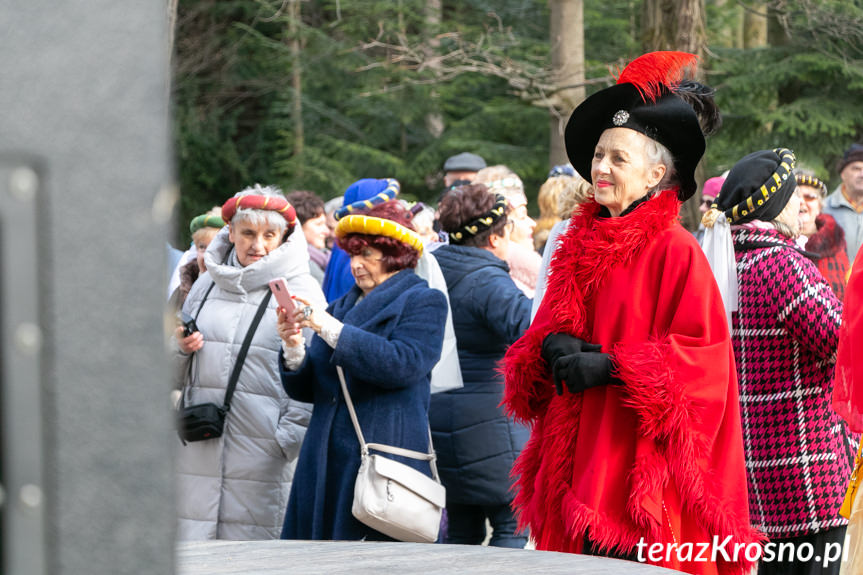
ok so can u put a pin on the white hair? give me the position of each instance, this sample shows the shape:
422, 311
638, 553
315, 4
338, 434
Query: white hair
500, 179
332, 205
659, 154
257, 217
424, 218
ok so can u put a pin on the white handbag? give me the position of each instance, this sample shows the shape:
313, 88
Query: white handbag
391, 497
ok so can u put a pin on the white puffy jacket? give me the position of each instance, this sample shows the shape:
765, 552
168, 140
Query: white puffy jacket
236, 487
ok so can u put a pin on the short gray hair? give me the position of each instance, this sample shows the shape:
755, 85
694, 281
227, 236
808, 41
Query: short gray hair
500, 179
256, 216
659, 154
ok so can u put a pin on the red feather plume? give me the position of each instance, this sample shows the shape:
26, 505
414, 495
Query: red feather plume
650, 72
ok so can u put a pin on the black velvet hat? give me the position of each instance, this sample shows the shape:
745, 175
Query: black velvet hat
758, 187
642, 100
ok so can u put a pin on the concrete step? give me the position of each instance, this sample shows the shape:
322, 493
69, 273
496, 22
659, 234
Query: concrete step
358, 557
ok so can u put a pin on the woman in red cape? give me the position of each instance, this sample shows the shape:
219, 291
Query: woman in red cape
848, 400
627, 373
848, 386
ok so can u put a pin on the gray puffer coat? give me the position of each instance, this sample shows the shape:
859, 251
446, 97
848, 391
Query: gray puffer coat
236, 487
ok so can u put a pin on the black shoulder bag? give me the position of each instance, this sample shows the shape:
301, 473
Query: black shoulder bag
207, 420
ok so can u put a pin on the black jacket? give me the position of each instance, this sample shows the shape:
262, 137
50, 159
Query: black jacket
476, 442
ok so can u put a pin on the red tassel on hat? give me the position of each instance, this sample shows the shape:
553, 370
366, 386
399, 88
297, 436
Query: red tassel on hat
655, 70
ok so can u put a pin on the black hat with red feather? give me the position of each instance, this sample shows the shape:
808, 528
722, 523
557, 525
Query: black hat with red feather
645, 99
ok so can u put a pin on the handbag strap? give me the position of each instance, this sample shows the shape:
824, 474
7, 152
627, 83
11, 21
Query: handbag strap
194, 355
212, 285
241, 356
364, 447
204, 299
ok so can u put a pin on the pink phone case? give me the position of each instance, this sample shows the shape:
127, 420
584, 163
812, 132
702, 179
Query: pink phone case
279, 287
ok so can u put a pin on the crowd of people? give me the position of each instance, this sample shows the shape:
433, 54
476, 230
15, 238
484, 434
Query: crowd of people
598, 381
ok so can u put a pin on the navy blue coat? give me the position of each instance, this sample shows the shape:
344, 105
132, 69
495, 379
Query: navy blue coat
390, 342
476, 442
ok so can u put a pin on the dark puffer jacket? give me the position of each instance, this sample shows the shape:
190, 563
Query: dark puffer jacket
476, 442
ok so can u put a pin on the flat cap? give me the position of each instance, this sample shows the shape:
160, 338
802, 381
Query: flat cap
464, 162
852, 154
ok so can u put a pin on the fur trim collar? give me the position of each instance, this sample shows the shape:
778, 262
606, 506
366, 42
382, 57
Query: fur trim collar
592, 246
828, 239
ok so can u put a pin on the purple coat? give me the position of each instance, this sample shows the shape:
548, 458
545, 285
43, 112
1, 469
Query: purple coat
799, 452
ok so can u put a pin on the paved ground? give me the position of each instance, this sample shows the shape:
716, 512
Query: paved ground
356, 557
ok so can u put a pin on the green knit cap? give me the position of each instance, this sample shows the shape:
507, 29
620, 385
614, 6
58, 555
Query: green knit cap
206, 221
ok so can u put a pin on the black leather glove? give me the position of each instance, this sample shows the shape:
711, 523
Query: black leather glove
582, 370
557, 345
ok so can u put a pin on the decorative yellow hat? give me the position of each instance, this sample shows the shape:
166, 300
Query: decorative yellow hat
360, 224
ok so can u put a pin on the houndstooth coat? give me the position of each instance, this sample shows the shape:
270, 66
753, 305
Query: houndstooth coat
799, 452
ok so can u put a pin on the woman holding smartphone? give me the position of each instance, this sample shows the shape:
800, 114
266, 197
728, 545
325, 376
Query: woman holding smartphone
236, 486
386, 334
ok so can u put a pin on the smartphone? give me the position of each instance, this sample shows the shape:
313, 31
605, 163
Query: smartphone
279, 287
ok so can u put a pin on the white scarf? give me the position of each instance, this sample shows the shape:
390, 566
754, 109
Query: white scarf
719, 249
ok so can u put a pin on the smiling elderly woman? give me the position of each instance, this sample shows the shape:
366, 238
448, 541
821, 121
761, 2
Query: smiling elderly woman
626, 374
820, 234
386, 334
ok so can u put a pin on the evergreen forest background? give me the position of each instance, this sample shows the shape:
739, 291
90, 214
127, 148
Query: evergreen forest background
315, 94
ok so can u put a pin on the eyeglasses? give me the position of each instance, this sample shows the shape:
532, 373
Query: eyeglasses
810, 197
707, 201
509, 182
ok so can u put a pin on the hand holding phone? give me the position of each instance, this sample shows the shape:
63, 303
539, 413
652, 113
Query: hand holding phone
279, 287
189, 338
189, 326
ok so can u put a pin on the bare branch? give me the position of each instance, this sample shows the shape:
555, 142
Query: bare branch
534, 83
277, 14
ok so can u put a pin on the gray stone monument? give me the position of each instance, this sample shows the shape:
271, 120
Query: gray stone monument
86, 436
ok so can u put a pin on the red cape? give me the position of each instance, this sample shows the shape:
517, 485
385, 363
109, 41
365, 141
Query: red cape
659, 457
848, 385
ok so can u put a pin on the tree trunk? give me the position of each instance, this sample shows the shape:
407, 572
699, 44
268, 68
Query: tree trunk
674, 25
777, 34
755, 24
678, 25
296, 85
567, 62
731, 35
433, 13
